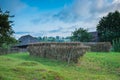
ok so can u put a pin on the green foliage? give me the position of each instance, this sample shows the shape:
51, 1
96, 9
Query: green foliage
109, 27
94, 66
116, 45
54, 39
81, 35
6, 31
10, 42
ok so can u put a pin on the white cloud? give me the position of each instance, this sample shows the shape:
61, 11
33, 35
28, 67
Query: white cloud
100, 4
116, 1
81, 13
12, 5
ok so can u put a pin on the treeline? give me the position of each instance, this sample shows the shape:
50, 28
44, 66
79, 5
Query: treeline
54, 39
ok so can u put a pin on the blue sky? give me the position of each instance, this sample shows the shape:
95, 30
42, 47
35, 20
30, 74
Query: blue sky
56, 17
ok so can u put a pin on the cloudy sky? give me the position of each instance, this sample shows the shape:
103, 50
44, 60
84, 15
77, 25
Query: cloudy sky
56, 17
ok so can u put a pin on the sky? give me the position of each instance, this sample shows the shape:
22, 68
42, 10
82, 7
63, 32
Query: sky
56, 17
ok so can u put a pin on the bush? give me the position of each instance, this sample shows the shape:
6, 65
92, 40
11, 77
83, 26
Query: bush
116, 45
69, 52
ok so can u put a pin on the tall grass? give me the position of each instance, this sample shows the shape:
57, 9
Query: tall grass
93, 66
116, 45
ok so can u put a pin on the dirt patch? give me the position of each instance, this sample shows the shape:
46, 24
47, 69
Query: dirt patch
58, 78
41, 70
29, 64
1, 78
56, 75
18, 69
7, 59
43, 78
118, 71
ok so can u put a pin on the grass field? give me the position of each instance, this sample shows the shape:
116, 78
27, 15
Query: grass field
92, 66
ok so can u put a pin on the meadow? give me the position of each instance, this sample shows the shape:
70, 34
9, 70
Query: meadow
92, 66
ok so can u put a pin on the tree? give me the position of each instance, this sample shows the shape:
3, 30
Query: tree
109, 27
39, 39
81, 35
6, 32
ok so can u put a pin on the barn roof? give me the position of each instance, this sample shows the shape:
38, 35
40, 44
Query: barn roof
27, 39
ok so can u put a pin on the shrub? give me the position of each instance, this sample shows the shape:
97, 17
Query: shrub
116, 45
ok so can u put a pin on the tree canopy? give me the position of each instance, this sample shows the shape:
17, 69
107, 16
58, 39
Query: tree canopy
6, 31
81, 35
109, 27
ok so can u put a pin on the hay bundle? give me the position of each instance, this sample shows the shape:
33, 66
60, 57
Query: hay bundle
69, 52
99, 46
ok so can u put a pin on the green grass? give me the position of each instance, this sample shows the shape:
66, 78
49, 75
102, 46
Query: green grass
92, 66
